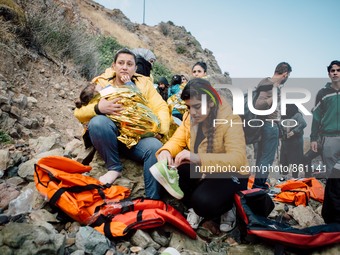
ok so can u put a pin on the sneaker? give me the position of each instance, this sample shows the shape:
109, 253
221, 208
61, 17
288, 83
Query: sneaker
193, 219
168, 178
228, 220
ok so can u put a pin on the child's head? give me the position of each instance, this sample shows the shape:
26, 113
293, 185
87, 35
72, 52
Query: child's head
176, 79
86, 95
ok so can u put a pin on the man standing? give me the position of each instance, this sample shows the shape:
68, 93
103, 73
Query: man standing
326, 119
267, 147
326, 124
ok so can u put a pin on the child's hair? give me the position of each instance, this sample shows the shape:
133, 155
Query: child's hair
176, 79
86, 95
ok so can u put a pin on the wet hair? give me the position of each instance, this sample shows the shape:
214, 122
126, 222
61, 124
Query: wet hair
195, 88
201, 64
282, 68
334, 62
86, 95
124, 51
176, 79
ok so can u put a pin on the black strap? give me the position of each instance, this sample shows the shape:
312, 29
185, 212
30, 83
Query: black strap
107, 230
139, 216
78, 189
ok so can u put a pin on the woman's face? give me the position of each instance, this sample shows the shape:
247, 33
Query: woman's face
124, 65
195, 108
198, 71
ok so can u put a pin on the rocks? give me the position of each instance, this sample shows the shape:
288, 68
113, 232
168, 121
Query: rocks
23, 238
91, 241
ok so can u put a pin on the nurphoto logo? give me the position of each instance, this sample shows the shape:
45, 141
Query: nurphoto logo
238, 105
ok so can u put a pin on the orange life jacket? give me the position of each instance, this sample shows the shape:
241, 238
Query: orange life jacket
60, 179
300, 191
104, 207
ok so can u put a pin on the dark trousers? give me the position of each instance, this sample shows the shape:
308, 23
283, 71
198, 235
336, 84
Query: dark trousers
331, 204
209, 198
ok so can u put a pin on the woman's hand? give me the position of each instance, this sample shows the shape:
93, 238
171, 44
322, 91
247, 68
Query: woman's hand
186, 157
165, 155
110, 107
125, 78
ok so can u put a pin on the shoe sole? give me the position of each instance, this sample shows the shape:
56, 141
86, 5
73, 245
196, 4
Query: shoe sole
160, 178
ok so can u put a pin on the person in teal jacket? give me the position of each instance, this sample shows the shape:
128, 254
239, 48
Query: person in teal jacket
174, 95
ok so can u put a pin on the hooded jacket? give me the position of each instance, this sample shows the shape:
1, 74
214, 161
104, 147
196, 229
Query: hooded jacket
229, 148
144, 84
326, 113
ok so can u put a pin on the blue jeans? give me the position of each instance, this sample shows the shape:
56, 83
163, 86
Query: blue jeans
266, 153
104, 132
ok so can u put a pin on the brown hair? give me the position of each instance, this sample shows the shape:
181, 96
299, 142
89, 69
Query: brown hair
86, 95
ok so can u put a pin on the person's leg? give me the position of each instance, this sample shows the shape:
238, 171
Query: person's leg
295, 156
144, 151
330, 153
213, 197
103, 134
331, 205
307, 161
284, 157
186, 183
266, 154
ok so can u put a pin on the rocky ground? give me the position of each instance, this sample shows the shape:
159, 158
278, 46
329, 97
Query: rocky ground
37, 97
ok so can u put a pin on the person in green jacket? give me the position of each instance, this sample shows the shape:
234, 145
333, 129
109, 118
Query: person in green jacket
326, 119
326, 124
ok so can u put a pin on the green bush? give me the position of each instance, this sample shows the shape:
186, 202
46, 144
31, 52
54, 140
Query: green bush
107, 48
4, 137
159, 70
181, 49
53, 35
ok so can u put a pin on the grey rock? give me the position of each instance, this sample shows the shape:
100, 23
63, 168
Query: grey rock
91, 241
8, 192
23, 238
160, 237
143, 239
26, 170
4, 159
43, 144
181, 242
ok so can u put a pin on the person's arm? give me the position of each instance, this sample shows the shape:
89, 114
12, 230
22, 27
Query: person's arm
179, 140
317, 115
301, 123
316, 122
264, 101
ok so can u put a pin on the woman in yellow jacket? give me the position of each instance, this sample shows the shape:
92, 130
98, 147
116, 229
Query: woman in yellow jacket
103, 132
209, 157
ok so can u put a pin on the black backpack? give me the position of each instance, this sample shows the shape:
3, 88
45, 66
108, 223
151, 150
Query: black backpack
252, 123
143, 66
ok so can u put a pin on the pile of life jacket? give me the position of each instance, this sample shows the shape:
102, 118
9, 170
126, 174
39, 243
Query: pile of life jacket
299, 191
107, 208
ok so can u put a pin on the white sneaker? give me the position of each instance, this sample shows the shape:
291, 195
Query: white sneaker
193, 219
228, 220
